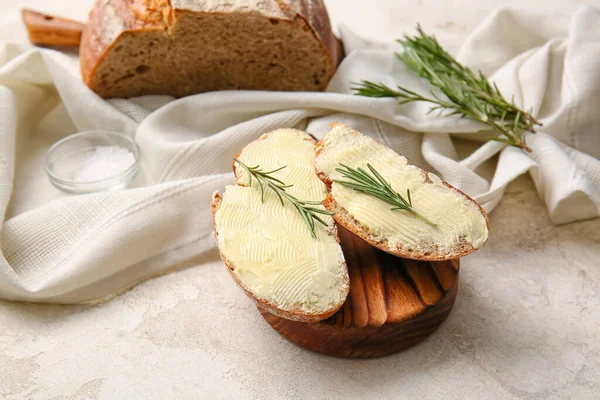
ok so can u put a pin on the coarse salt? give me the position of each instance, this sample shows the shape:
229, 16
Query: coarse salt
103, 163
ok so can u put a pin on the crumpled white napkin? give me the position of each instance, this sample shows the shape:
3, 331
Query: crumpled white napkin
59, 248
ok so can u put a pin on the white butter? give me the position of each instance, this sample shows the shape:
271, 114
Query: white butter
270, 246
455, 217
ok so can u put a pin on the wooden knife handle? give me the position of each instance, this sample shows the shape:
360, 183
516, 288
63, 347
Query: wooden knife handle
47, 30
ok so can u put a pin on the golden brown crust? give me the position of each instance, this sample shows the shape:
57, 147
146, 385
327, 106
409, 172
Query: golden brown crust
316, 18
345, 219
110, 19
322, 176
294, 315
234, 167
89, 50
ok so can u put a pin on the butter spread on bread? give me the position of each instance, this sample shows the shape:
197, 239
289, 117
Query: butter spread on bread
268, 247
459, 225
182, 47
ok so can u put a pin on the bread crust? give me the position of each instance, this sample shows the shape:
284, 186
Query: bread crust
294, 314
344, 218
110, 20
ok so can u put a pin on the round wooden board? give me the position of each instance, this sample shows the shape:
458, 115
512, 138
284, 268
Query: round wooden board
394, 303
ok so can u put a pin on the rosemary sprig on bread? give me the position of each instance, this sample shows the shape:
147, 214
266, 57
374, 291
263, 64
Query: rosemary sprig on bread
266, 179
461, 225
456, 90
377, 186
265, 246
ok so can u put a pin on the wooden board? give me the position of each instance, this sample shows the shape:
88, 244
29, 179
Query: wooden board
393, 304
48, 30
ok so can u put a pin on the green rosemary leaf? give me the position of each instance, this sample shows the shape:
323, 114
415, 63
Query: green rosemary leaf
318, 219
377, 186
318, 211
313, 203
275, 170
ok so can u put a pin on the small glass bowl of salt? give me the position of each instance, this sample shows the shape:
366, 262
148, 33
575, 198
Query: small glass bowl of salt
92, 161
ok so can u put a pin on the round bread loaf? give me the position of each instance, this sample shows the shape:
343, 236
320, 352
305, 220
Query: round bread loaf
183, 47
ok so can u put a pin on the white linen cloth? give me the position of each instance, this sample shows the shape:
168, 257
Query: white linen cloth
64, 249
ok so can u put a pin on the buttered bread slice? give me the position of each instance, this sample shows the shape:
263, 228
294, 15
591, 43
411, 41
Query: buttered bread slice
443, 223
266, 243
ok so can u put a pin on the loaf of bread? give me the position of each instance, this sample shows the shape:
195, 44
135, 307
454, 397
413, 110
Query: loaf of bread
267, 245
456, 225
182, 47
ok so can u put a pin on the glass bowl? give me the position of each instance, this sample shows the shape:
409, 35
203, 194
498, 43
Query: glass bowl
69, 167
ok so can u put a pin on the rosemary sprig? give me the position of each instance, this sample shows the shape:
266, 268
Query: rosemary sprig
377, 186
266, 180
456, 90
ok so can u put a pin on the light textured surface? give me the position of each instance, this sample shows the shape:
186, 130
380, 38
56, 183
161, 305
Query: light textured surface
526, 323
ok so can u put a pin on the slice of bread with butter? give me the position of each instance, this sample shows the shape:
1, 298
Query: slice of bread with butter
453, 224
267, 245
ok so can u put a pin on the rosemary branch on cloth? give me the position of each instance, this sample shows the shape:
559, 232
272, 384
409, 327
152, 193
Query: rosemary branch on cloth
455, 90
